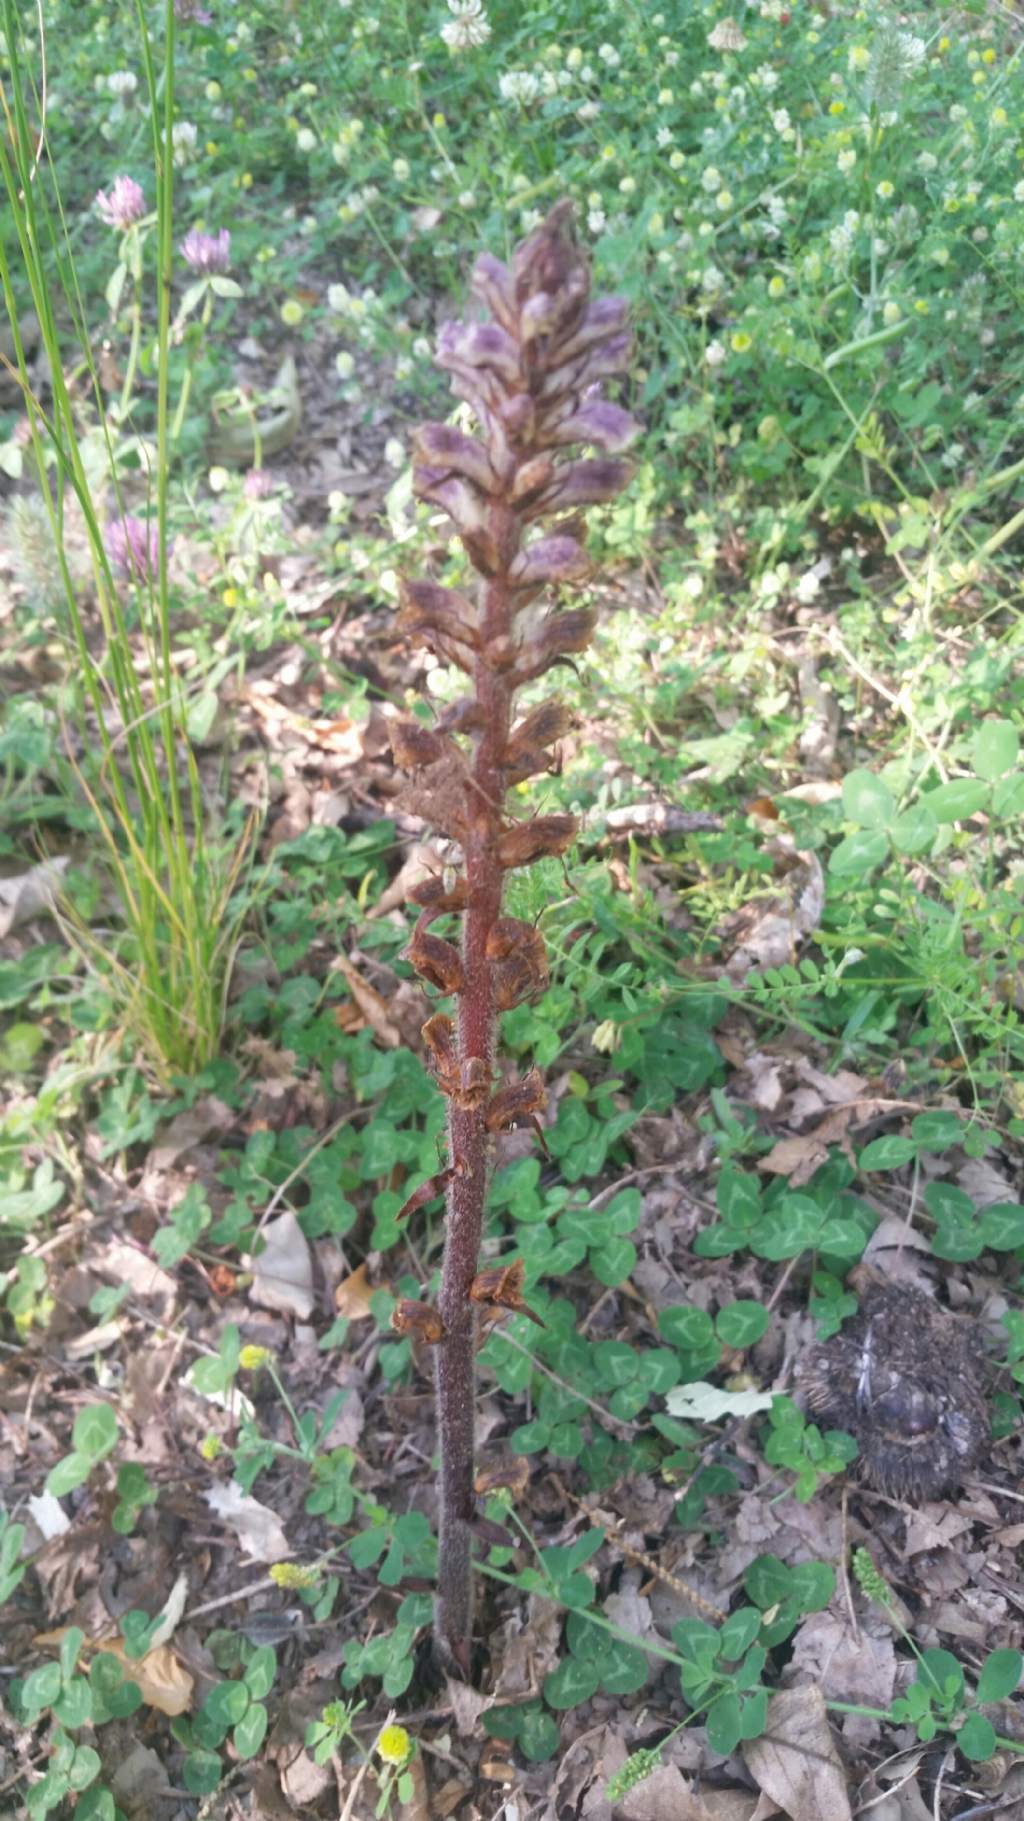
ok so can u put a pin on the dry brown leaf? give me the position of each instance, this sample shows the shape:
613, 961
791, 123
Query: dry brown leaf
795, 1762
282, 1275
187, 1129
800, 1156
128, 1264
162, 1680
373, 1007
257, 1528
771, 931
31, 894
666, 1795
352, 1297
858, 1669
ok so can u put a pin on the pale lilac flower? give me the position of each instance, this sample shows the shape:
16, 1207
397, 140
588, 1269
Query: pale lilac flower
133, 547
258, 483
206, 253
124, 205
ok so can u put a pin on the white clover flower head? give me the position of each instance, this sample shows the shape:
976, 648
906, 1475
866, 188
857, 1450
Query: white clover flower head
401, 169
727, 36
711, 180
122, 82
714, 354
587, 111
518, 85
767, 76
184, 136
467, 199
846, 160
808, 587
597, 220
469, 26
609, 56
663, 136
927, 161
781, 120
394, 452
574, 58
305, 139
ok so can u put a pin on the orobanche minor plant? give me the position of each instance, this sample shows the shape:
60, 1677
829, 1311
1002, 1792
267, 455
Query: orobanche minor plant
533, 379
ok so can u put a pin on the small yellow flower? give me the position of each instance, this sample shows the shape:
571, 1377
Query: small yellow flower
213, 91
250, 75
741, 342
922, 306
230, 597
252, 1358
209, 1447
212, 148
292, 312
440, 122
999, 116
292, 1574
988, 56
394, 1745
944, 44
776, 286
837, 107
247, 180
979, 79
858, 57
724, 200
885, 189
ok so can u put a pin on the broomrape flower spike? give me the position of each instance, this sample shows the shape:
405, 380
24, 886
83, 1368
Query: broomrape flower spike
533, 376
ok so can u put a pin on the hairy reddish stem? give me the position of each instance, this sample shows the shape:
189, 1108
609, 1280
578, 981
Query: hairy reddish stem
470, 1145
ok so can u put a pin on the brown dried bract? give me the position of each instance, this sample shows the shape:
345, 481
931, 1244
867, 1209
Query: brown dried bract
510, 1474
517, 1101
526, 842
419, 1320
501, 1287
521, 972
435, 960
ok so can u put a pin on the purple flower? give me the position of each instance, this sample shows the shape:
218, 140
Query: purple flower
206, 253
124, 205
133, 547
258, 483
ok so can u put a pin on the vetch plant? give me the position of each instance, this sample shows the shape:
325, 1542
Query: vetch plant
533, 379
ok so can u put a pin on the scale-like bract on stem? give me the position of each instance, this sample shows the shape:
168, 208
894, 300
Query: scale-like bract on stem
533, 378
